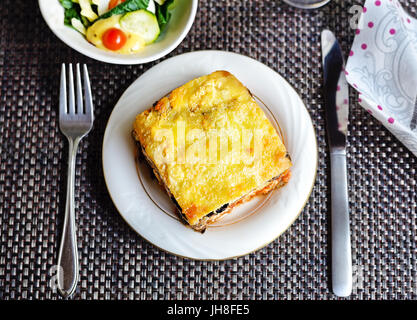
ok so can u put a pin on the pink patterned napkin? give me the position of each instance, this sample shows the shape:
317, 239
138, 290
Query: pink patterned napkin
382, 67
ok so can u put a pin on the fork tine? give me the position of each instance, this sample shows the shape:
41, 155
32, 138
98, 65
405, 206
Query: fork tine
87, 92
63, 93
79, 91
71, 98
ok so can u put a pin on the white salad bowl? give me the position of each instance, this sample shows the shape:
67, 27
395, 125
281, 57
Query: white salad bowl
180, 23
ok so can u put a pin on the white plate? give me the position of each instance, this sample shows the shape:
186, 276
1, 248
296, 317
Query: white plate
181, 21
147, 209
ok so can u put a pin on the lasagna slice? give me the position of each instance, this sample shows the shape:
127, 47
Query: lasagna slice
211, 147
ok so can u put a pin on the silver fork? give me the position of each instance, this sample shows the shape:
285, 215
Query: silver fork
75, 122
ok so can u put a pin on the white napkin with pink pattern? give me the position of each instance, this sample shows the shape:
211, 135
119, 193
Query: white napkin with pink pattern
382, 67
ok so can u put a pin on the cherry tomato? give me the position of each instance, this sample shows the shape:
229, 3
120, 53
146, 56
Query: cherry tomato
114, 39
114, 3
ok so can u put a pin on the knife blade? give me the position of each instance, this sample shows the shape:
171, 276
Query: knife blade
336, 96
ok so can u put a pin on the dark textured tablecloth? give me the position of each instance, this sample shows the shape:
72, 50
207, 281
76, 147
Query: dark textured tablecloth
115, 262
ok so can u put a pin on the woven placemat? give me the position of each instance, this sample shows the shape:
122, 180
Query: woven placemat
116, 263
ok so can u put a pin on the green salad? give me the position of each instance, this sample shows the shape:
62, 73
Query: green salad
123, 26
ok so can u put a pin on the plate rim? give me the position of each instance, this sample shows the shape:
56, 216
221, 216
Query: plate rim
229, 257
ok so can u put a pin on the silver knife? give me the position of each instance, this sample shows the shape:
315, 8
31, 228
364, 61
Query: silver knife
336, 95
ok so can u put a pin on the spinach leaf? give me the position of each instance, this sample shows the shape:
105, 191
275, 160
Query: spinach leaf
69, 14
125, 7
67, 4
73, 10
162, 13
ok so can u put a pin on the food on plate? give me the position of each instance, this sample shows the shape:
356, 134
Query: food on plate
121, 26
107, 34
211, 147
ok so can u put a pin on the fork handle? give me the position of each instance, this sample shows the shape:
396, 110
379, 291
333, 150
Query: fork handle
67, 272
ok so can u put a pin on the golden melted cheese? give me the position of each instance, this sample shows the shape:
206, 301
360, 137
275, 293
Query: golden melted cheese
134, 43
213, 105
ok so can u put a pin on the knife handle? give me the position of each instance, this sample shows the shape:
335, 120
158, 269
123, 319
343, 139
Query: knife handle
340, 230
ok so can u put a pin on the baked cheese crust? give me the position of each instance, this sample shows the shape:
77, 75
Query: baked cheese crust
215, 113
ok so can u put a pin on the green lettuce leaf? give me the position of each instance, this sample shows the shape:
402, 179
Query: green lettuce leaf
73, 10
67, 4
163, 13
125, 7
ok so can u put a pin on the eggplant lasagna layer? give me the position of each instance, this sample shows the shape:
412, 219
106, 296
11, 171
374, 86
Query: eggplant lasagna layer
207, 187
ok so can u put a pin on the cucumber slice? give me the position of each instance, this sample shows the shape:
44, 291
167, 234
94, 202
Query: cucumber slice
143, 23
